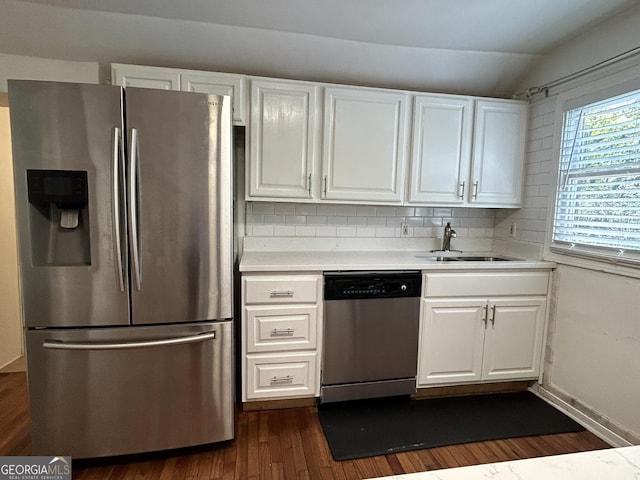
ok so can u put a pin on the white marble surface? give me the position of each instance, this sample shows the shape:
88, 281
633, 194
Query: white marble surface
610, 464
268, 261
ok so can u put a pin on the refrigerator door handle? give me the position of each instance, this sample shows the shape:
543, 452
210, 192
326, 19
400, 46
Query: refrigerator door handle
133, 211
116, 207
57, 345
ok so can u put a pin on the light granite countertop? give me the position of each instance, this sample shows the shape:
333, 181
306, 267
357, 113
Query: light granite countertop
268, 261
609, 464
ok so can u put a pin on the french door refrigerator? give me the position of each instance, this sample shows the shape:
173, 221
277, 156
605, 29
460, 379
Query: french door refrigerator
124, 214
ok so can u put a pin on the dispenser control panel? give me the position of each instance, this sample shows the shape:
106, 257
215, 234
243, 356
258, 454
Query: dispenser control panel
66, 188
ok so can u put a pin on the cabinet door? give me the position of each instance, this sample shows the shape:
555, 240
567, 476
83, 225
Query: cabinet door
513, 342
364, 147
145, 77
218, 84
498, 153
283, 139
451, 341
441, 149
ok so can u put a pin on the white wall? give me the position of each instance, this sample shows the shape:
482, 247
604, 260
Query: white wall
595, 360
33, 68
10, 318
106, 37
621, 33
593, 348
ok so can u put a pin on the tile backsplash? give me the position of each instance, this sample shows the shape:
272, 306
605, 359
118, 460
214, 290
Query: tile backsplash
266, 219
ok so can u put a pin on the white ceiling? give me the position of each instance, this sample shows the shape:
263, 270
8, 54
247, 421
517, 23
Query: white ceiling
466, 46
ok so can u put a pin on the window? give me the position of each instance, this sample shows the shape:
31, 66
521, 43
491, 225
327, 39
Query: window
597, 210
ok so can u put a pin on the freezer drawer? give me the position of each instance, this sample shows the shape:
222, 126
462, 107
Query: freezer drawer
113, 391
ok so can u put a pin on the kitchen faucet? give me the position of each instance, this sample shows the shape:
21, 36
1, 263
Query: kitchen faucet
449, 233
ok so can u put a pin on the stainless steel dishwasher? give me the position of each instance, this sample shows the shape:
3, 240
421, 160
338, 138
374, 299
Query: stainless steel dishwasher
370, 334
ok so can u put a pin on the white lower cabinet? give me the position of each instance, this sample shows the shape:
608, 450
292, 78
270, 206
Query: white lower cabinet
283, 375
281, 327
513, 338
281, 330
452, 341
466, 338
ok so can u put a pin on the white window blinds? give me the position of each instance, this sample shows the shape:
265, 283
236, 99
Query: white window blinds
597, 208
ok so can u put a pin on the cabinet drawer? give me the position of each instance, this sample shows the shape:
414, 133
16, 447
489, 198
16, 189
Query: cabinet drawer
485, 284
281, 327
281, 289
282, 375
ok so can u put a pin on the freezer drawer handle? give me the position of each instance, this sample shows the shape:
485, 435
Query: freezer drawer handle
120, 346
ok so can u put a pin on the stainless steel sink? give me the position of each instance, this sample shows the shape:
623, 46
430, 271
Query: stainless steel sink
465, 258
484, 259
436, 258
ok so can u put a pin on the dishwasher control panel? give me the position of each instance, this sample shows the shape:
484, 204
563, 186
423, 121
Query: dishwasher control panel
367, 284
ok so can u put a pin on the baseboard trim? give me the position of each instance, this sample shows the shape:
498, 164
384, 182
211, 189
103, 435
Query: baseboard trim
14, 366
587, 422
473, 389
278, 404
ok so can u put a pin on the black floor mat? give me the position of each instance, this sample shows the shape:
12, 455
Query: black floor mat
366, 428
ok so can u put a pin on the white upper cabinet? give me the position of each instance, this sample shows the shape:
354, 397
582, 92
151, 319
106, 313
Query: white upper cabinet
498, 153
218, 84
145, 77
314, 142
467, 151
283, 146
441, 149
364, 145
185, 80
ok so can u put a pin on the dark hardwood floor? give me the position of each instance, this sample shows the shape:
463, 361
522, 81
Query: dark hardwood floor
274, 444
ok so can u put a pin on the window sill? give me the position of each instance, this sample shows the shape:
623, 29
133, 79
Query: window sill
605, 265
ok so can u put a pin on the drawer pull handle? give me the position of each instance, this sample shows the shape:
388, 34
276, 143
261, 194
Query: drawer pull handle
282, 293
282, 332
287, 379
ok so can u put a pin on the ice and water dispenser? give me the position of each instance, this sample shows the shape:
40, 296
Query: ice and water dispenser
59, 217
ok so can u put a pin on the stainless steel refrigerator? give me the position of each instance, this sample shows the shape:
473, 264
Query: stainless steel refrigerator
124, 214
